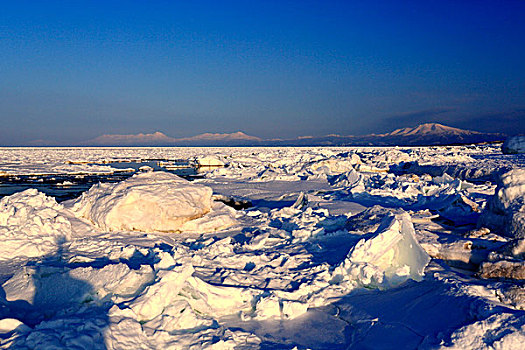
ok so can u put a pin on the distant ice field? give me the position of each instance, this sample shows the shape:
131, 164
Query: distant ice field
262, 248
70, 179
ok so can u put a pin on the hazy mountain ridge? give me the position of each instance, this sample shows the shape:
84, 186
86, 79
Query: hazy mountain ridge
132, 139
424, 134
158, 138
236, 136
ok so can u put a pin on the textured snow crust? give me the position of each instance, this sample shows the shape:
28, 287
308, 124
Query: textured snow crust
31, 225
332, 248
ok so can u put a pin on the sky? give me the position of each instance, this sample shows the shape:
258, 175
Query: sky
73, 70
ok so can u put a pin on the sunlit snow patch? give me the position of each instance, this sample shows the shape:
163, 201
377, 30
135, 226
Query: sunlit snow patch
389, 257
154, 201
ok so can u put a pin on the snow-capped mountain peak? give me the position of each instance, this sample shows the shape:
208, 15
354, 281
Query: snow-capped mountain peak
430, 129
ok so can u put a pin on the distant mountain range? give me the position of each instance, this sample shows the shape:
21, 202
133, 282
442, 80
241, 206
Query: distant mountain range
421, 135
158, 138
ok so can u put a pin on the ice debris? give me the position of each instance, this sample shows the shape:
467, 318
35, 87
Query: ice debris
332, 166
49, 288
499, 331
8, 325
96, 291
31, 224
158, 296
508, 269
351, 180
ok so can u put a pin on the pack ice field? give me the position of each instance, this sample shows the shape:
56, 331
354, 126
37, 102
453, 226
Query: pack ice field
272, 248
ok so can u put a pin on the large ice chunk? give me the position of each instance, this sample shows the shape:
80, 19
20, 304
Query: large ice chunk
161, 294
155, 201
506, 210
389, 257
209, 161
330, 166
351, 180
514, 145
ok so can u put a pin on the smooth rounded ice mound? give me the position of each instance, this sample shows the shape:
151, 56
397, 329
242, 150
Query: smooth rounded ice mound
155, 201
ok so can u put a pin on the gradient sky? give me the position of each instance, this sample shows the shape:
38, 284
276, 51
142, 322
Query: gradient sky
73, 70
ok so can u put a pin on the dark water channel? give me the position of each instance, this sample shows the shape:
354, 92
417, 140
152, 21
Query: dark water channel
69, 186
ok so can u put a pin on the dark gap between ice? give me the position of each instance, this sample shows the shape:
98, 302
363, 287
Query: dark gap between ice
69, 186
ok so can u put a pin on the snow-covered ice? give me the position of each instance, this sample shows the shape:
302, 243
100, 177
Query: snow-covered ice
513, 145
273, 248
31, 224
148, 202
209, 161
389, 257
506, 209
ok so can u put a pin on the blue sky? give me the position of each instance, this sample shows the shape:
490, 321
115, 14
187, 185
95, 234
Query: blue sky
73, 70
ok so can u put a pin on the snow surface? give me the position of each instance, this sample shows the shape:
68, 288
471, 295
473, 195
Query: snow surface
328, 248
